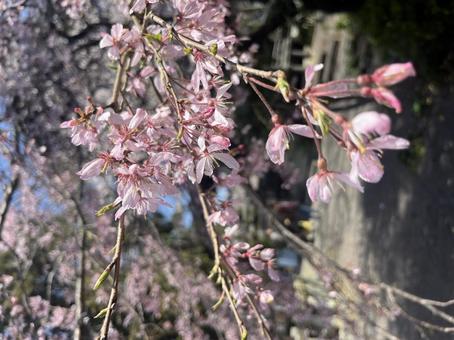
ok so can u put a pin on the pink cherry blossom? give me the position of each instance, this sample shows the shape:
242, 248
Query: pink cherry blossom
322, 185
133, 38
113, 40
139, 5
371, 122
366, 162
278, 140
208, 157
265, 298
203, 63
225, 217
82, 133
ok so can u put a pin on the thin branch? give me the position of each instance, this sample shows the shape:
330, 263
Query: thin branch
188, 42
262, 98
428, 304
118, 83
242, 329
417, 321
114, 291
8, 196
211, 232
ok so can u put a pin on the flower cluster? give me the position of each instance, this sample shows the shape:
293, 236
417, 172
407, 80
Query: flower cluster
363, 138
150, 153
153, 150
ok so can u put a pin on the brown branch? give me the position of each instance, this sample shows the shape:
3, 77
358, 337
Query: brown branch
188, 42
417, 321
8, 196
262, 98
428, 304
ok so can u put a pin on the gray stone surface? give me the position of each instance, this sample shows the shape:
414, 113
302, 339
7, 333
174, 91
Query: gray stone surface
401, 231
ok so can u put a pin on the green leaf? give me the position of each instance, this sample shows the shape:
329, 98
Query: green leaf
156, 37
323, 121
102, 313
102, 277
106, 208
283, 86
244, 333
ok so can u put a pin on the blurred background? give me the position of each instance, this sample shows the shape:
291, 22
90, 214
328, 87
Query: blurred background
400, 231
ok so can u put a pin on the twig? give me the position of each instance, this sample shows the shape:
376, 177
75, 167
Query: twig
118, 83
428, 304
317, 142
263, 99
211, 232
188, 42
114, 291
259, 317
417, 321
242, 329
8, 196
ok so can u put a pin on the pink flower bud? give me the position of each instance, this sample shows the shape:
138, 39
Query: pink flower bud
91, 169
266, 297
391, 74
382, 96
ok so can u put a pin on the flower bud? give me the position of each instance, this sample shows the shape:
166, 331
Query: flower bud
394, 73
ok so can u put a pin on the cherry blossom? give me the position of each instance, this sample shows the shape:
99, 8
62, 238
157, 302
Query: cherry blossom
322, 185
208, 157
278, 140
114, 41
203, 63
139, 5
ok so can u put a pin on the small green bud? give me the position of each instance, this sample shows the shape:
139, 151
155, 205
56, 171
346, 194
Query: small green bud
156, 37
187, 50
323, 121
102, 278
170, 32
244, 333
102, 313
283, 86
213, 49
219, 302
106, 209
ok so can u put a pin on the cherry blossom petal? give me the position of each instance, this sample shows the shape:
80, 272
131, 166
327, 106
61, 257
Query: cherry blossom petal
368, 166
228, 160
137, 119
371, 122
276, 144
200, 169
309, 73
302, 130
388, 142
91, 169
106, 41
386, 97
